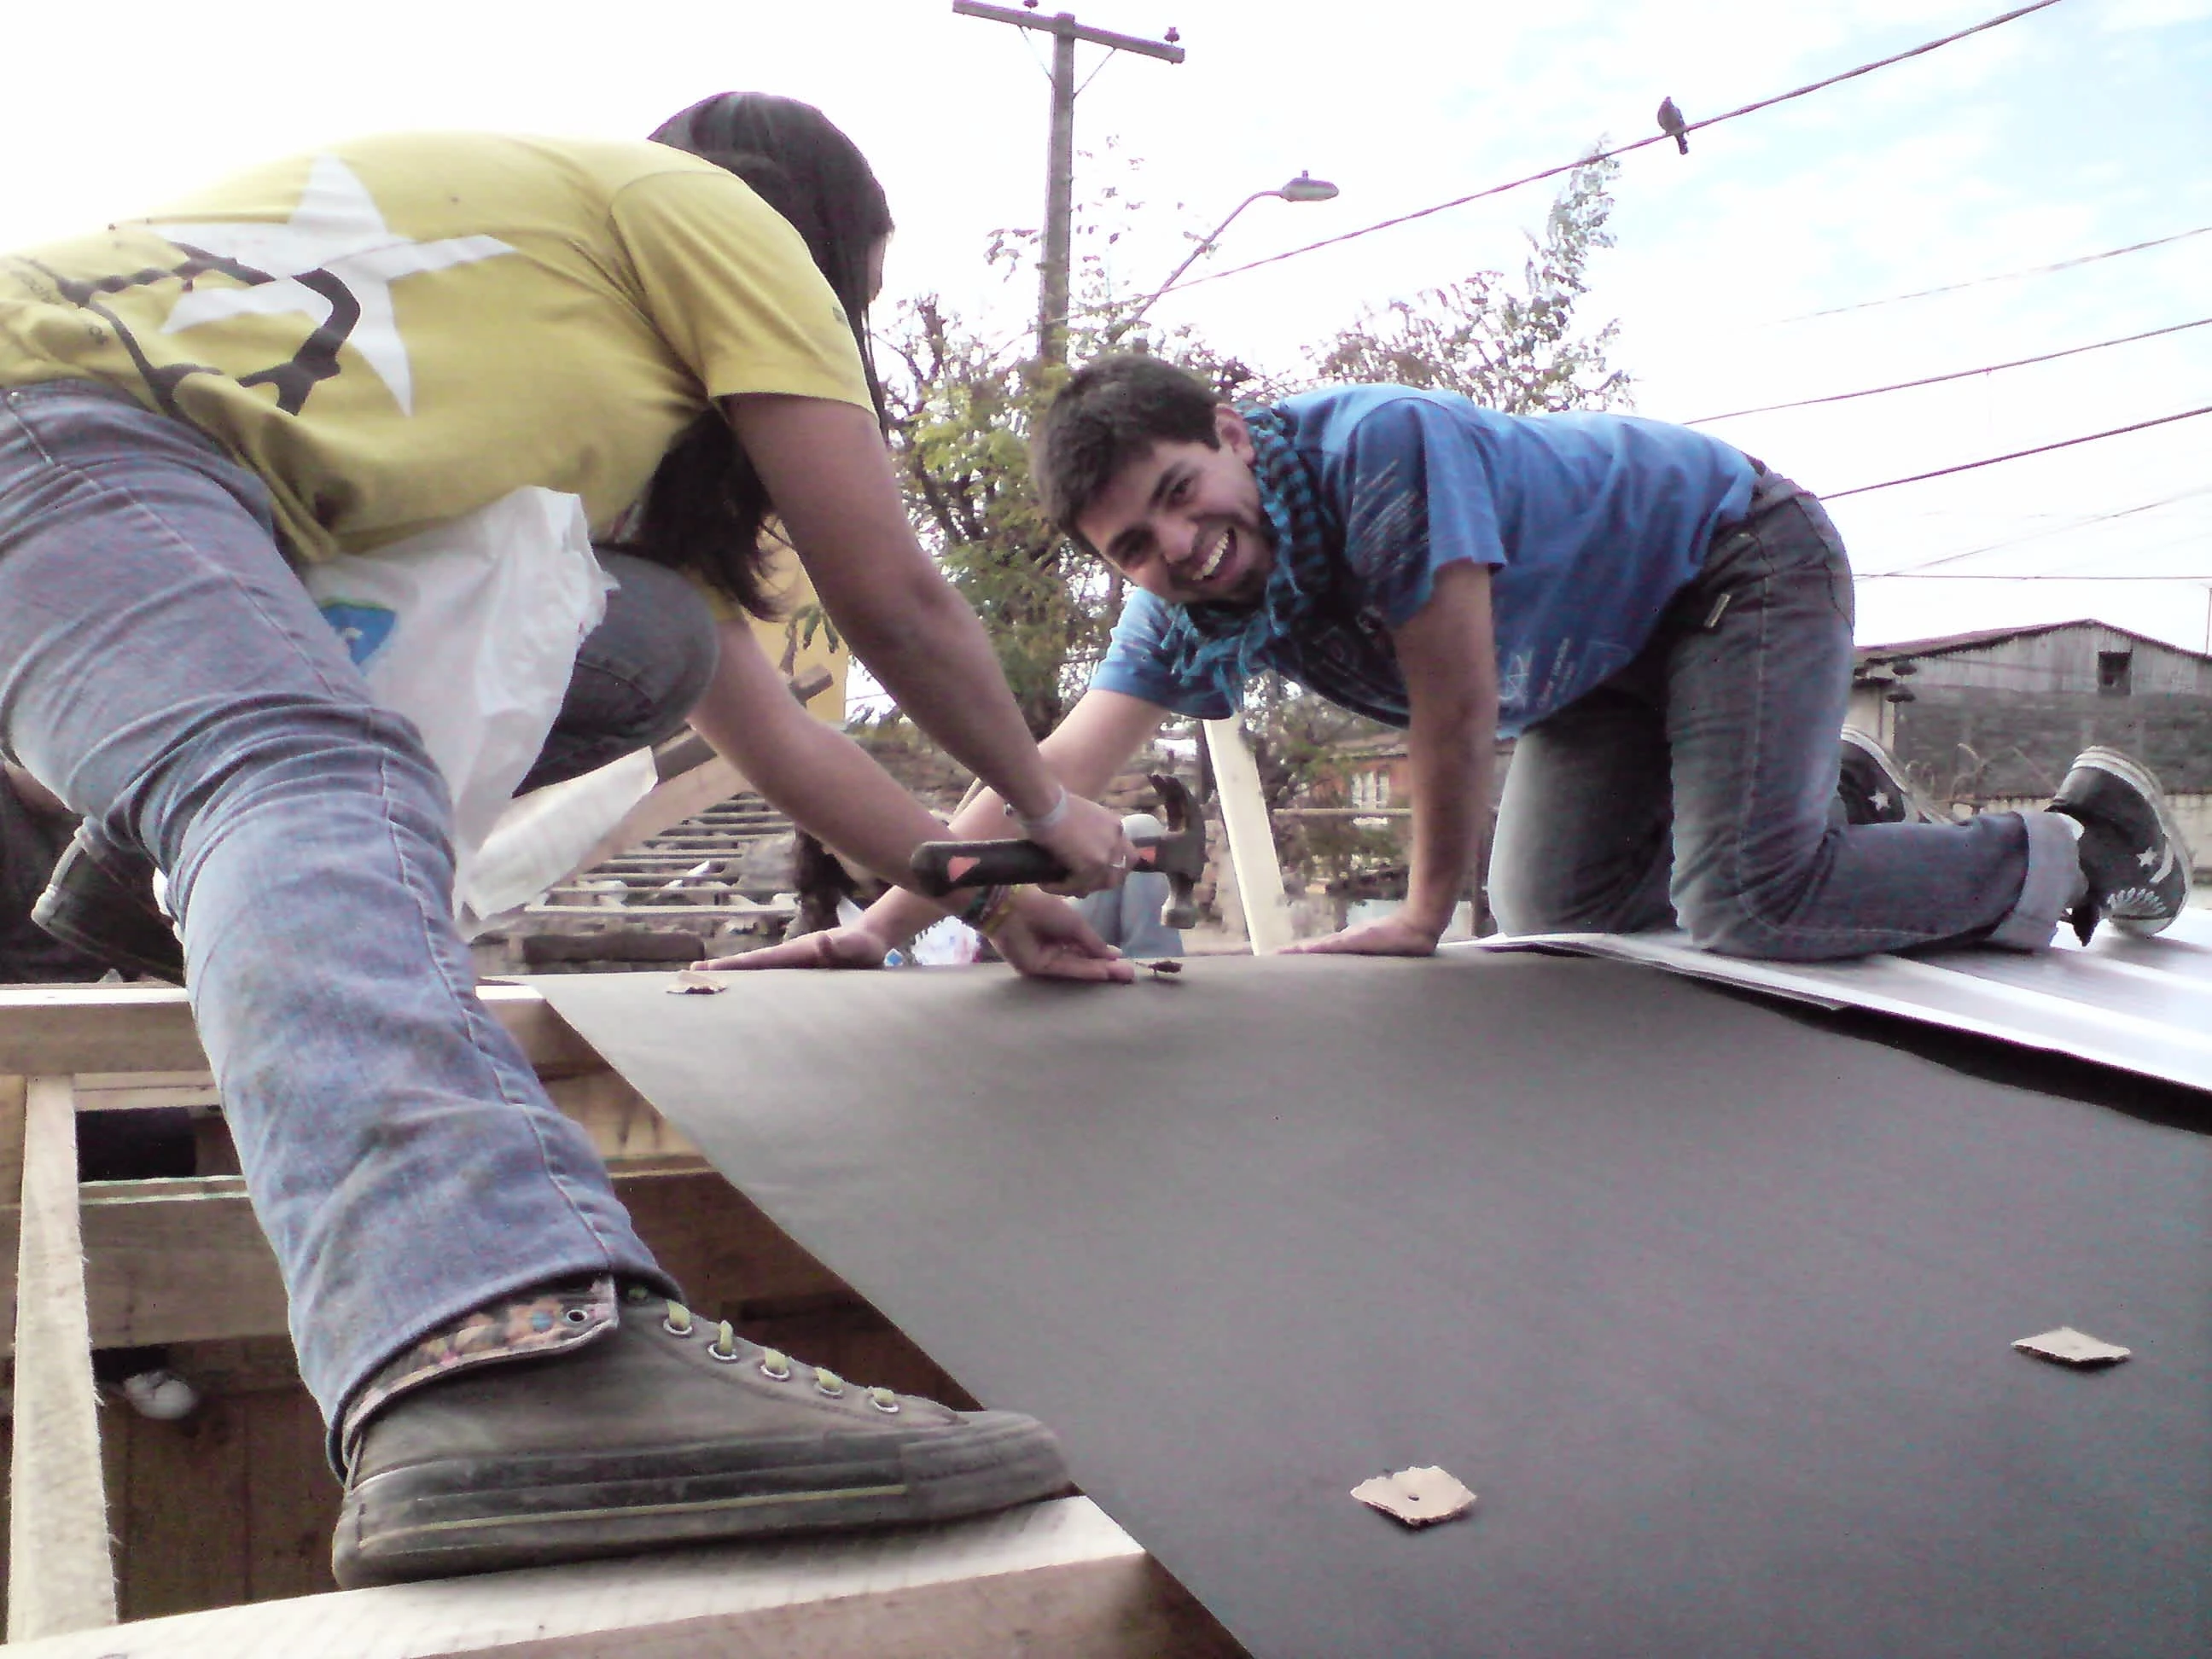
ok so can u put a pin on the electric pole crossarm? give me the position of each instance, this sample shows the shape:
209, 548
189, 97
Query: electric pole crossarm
1064, 25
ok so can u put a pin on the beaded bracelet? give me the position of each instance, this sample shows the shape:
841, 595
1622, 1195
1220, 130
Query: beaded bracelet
999, 913
989, 908
980, 904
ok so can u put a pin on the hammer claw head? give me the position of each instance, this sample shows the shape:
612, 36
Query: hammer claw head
1181, 853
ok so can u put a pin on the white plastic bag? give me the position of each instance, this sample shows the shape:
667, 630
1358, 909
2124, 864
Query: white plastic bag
471, 630
548, 834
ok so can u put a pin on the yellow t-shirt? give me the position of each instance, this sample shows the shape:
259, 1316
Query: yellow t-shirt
401, 329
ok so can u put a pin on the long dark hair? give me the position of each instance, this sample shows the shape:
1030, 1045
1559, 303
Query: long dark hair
704, 509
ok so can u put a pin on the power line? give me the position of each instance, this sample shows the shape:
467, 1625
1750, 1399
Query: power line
2018, 454
1956, 374
2001, 276
1618, 149
2202, 578
1930, 566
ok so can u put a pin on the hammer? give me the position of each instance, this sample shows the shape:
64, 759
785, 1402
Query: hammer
1177, 850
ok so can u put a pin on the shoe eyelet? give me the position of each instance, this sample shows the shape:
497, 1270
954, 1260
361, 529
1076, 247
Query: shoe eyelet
578, 1316
837, 1393
783, 1376
715, 1352
884, 1402
674, 1329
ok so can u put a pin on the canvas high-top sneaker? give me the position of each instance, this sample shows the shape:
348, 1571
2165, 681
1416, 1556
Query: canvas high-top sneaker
100, 902
1873, 786
2132, 856
580, 1419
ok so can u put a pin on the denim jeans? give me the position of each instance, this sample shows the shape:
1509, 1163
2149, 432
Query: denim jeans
637, 675
163, 671
1696, 785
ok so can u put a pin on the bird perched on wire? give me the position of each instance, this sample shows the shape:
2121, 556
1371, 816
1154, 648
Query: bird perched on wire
1670, 123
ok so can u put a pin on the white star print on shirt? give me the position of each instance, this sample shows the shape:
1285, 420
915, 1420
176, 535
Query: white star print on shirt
336, 228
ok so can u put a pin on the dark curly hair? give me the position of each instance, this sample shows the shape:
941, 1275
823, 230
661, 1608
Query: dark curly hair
1111, 412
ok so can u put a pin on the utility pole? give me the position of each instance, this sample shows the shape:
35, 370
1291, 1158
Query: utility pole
1060, 165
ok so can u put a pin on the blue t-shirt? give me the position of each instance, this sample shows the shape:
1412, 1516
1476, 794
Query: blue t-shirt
1591, 524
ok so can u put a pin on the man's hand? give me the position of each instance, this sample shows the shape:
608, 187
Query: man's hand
1393, 936
1047, 939
832, 947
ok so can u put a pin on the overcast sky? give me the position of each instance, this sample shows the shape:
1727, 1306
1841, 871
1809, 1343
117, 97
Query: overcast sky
2081, 128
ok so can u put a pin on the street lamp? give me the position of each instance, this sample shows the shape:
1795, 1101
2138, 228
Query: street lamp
1303, 188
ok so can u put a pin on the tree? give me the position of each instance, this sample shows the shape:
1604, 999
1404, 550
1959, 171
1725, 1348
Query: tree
960, 413
1515, 351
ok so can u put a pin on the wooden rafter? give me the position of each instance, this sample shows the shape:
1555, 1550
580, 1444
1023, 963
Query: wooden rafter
60, 1575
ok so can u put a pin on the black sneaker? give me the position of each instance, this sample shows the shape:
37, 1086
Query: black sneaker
575, 1422
1873, 789
2133, 859
100, 903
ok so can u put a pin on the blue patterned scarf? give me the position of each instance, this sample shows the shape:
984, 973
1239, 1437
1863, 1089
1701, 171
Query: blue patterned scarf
1224, 643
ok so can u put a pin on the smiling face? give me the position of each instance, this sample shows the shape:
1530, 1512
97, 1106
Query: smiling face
1184, 522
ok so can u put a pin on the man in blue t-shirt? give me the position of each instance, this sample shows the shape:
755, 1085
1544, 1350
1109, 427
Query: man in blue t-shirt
1663, 623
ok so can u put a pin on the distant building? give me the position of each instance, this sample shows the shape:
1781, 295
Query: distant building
1988, 720
1998, 713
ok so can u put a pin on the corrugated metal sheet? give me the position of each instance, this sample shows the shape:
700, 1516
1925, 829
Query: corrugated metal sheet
2141, 1005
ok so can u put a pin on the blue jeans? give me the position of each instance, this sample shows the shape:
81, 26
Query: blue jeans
637, 675
163, 671
1696, 785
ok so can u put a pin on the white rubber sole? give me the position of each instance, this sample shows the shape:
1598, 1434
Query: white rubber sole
2138, 777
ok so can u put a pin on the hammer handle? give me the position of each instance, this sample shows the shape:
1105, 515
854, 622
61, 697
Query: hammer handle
943, 866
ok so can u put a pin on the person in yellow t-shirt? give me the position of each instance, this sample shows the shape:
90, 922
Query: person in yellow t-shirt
328, 355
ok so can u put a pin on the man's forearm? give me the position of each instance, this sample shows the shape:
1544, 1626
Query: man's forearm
1451, 736
1451, 771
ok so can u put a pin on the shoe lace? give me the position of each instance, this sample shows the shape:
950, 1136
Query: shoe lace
774, 1363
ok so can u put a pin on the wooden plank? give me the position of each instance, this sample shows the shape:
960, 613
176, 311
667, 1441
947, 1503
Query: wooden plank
185, 1261
1057, 1578
60, 1575
48, 1029
111, 1094
622, 1123
116, 1028
1251, 840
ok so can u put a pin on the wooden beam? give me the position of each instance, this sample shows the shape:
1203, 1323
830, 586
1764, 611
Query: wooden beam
47, 1030
185, 1261
1057, 1578
1251, 838
112, 1091
61, 1577
622, 1123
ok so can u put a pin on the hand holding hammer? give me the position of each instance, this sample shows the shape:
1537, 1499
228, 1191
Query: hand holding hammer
1175, 849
